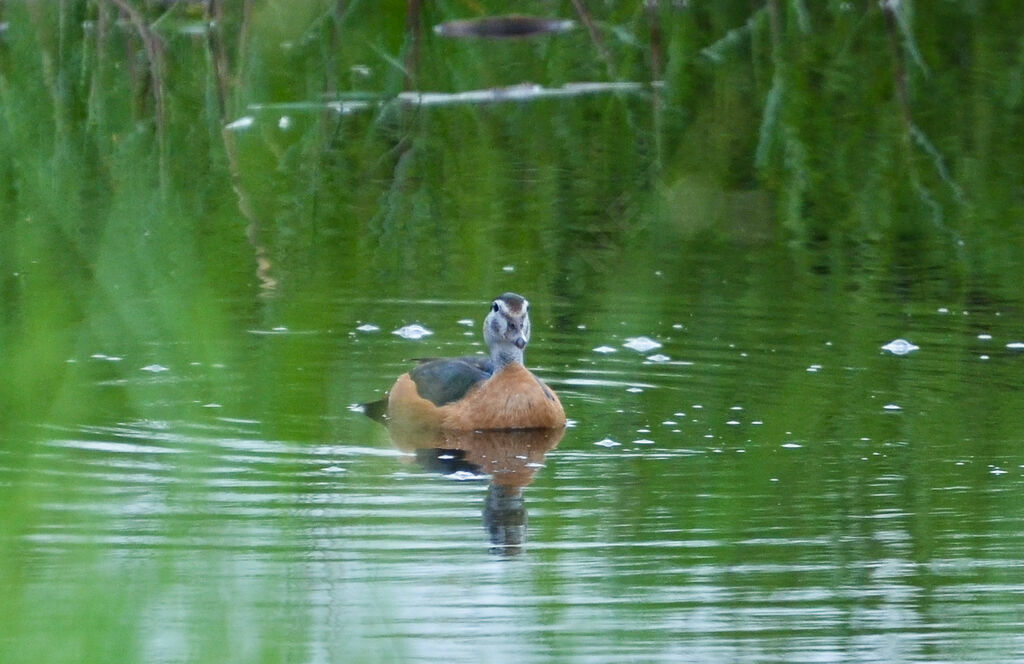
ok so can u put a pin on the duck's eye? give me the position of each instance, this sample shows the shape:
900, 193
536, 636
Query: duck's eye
494, 307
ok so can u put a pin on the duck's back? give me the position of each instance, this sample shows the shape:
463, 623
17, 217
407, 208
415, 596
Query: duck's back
416, 398
461, 395
512, 398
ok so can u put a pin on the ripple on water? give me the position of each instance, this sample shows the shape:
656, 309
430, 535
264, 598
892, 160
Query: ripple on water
249, 494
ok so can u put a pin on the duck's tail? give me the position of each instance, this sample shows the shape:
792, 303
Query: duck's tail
375, 410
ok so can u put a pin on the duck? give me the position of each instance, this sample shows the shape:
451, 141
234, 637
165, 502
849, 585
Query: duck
475, 392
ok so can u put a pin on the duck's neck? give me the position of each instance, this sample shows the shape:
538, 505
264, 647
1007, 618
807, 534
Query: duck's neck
503, 356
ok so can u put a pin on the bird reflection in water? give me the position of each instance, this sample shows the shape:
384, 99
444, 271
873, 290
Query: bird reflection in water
508, 458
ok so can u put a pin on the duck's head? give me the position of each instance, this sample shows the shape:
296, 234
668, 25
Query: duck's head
507, 329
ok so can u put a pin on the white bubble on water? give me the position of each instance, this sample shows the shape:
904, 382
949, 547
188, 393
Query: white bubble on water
641, 344
900, 347
464, 475
414, 331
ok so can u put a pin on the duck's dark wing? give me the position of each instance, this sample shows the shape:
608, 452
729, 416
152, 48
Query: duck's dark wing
448, 380
481, 362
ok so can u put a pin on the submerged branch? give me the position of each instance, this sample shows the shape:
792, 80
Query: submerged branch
657, 57
511, 94
595, 36
510, 26
221, 71
716, 51
803, 17
414, 32
911, 132
896, 16
154, 47
899, 72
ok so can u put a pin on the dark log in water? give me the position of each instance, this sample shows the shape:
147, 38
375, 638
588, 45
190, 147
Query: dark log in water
504, 27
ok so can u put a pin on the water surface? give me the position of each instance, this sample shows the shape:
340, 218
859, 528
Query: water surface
762, 482
214, 221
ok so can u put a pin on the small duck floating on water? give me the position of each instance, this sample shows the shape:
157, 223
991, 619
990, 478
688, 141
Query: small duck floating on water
479, 393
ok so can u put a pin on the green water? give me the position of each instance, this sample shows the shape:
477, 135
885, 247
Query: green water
190, 318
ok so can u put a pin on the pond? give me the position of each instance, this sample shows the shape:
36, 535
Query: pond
795, 405
764, 483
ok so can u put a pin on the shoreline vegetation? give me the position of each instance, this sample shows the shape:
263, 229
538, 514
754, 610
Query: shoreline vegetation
862, 131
